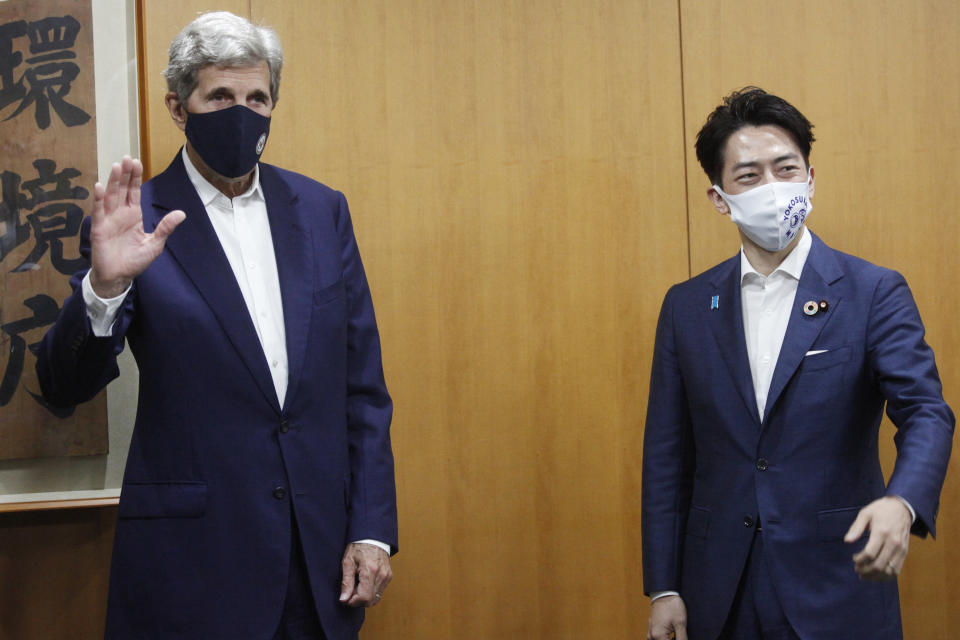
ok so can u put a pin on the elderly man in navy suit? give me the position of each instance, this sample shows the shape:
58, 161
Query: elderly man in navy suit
771, 371
258, 499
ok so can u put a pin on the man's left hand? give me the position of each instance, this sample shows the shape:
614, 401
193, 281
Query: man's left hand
888, 520
366, 573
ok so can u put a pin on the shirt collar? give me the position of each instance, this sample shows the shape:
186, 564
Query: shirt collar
207, 192
792, 265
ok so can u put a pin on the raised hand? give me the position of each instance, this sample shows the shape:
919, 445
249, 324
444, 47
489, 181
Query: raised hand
120, 250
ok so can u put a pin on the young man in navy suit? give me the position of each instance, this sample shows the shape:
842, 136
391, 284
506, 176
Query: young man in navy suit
258, 499
761, 477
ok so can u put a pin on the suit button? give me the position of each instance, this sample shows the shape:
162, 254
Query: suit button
284, 425
279, 493
747, 521
762, 464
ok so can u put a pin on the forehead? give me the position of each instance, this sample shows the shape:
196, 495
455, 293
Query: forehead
247, 78
758, 144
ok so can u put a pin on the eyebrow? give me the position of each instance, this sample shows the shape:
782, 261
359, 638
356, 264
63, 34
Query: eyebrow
214, 91
777, 160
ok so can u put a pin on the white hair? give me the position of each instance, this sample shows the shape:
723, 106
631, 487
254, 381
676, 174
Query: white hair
222, 39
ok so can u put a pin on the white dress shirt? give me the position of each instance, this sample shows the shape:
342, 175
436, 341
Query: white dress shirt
767, 302
243, 228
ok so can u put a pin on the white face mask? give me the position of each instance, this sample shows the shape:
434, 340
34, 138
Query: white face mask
772, 214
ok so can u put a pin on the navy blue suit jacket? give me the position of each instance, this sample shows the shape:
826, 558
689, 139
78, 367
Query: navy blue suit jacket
711, 467
202, 543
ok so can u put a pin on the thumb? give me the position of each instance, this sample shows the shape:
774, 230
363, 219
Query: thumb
857, 528
168, 224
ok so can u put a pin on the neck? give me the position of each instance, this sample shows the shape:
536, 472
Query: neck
230, 187
765, 262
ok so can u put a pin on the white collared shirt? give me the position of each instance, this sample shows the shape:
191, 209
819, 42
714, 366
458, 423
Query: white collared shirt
767, 302
243, 228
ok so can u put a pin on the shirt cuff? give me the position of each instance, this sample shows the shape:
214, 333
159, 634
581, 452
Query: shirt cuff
102, 312
375, 543
913, 512
656, 595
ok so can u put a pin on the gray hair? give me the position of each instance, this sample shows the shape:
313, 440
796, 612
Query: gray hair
226, 40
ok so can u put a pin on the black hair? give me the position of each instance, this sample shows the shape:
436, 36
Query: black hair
746, 107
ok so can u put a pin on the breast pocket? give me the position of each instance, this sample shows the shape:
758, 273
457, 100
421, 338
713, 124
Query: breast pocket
825, 360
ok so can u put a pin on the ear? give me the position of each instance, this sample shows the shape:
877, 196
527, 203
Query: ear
718, 202
812, 181
177, 112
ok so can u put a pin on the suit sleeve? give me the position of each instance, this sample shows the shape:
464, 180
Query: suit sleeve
905, 370
668, 462
73, 364
373, 505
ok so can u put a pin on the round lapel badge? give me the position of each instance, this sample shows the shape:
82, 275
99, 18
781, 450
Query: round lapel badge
810, 307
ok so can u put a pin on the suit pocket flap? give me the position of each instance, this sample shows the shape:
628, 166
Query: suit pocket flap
163, 500
832, 525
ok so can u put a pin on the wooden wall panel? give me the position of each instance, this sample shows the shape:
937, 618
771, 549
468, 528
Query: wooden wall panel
515, 174
55, 567
878, 80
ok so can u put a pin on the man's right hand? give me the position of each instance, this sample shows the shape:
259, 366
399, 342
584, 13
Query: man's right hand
120, 250
668, 619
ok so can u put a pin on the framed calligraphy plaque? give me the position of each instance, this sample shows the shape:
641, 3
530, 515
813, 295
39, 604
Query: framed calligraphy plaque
65, 67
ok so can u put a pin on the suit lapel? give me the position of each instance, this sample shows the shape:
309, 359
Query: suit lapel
819, 273
195, 246
726, 322
292, 246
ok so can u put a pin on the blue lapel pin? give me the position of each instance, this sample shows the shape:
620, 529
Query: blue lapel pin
715, 302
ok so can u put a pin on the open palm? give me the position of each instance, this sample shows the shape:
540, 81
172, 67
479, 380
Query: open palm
120, 249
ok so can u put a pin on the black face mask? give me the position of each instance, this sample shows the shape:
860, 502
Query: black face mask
229, 140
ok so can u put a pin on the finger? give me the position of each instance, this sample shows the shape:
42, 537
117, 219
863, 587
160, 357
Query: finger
123, 184
871, 550
136, 179
99, 192
168, 224
365, 587
113, 189
857, 528
348, 582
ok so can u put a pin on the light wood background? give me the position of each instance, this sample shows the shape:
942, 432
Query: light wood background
524, 190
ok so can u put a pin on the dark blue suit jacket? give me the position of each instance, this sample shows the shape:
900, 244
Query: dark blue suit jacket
202, 544
711, 467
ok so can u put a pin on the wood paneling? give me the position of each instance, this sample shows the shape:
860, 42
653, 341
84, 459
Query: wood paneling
515, 174
878, 80
55, 567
